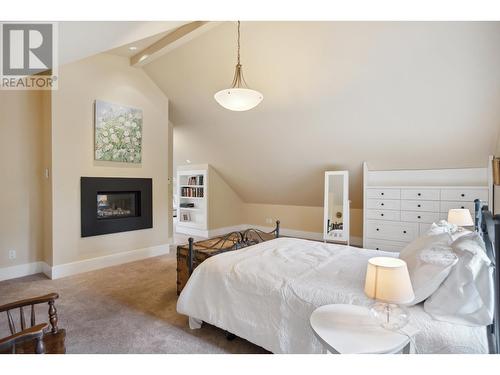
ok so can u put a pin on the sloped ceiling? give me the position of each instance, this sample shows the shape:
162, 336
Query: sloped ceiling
81, 39
397, 94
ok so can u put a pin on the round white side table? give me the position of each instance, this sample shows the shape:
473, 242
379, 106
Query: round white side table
350, 329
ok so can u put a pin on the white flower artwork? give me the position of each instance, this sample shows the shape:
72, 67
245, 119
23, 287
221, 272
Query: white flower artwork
114, 124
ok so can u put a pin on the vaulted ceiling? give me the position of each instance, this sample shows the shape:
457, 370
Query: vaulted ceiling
397, 94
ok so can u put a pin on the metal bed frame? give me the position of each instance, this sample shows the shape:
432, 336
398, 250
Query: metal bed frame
488, 225
245, 238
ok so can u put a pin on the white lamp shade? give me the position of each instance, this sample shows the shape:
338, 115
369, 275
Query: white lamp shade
387, 280
238, 99
460, 217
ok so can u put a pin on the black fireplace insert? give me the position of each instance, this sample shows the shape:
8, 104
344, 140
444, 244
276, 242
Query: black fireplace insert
111, 205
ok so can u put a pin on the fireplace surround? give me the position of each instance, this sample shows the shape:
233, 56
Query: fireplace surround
112, 205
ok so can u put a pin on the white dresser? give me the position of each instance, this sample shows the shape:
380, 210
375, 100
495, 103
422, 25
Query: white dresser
396, 213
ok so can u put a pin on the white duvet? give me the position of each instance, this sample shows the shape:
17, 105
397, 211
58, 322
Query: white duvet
266, 293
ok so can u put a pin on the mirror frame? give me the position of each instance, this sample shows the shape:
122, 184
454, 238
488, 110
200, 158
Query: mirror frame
345, 207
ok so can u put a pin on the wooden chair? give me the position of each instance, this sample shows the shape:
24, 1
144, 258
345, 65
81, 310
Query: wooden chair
37, 338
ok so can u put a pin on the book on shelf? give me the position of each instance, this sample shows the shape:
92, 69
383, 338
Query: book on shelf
195, 180
192, 192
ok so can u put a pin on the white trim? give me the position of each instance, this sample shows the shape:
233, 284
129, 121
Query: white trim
68, 269
191, 231
47, 270
316, 236
365, 184
86, 265
21, 270
222, 231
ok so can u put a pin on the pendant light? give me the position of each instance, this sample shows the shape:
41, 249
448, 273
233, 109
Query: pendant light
239, 97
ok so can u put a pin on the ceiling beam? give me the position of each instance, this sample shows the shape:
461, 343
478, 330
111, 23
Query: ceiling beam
166, 43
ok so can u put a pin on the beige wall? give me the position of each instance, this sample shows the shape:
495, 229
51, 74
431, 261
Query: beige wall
225, 206
46, 193
21, 227
300, 218
110, 78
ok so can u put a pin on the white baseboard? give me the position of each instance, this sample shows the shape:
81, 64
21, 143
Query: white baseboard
86, 265
225, 230
355, 241
21, 270
47, 270
192, 231
68, 269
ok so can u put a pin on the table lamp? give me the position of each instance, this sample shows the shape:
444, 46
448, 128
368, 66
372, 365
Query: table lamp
460, 217
388, 283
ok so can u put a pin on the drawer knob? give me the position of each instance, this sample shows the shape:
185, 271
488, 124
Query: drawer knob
404, 232
381, 193
377, 248
377, 229
419, 194
419, 205
462, 195
381, 214
381, 204
419, 217
462, 207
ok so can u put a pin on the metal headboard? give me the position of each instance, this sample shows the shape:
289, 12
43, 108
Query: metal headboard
489, 226
245, 238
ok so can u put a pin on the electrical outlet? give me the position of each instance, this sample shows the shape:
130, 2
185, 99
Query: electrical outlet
12, 254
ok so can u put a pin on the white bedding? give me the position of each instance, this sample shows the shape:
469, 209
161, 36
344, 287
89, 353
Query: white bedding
266, 293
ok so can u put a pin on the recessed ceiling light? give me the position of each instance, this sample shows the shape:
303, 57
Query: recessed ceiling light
143, 57
188, 161
132, 48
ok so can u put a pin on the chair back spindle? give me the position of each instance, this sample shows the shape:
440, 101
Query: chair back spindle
53, 316
22, 319
12, 327
36, 338
33, 319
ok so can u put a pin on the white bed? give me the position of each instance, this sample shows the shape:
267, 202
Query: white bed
265, 293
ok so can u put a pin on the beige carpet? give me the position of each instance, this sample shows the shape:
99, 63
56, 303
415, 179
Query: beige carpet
123, 309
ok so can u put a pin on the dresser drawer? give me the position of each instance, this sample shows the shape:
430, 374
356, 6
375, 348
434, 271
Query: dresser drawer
394, 246
429, 206
420, 217
383, 204
420, 194
383, 193
446, 206
391, 230
383, 215
464, 194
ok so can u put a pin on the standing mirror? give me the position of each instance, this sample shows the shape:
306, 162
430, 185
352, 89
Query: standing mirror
336, 207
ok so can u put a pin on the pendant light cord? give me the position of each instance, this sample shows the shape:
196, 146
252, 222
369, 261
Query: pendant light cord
238, 42
238, 80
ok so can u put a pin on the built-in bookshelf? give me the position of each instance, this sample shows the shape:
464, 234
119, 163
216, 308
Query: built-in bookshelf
192, 209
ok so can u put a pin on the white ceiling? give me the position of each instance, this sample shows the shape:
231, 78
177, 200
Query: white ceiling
397, 94
139, 45
81, 39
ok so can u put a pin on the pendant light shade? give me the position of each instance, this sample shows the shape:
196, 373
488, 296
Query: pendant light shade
238, 97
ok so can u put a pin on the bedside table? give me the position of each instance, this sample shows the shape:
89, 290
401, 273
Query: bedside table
350, 329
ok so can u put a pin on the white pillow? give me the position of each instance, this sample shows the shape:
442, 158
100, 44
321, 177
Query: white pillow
444, 227
429, 259
467, 295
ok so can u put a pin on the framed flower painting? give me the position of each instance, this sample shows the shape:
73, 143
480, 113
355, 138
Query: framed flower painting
118, 132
